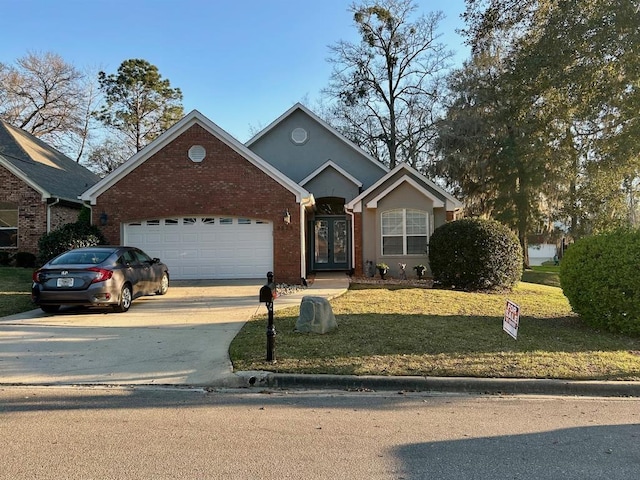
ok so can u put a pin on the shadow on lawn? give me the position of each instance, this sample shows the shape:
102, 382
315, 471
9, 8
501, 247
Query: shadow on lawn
401, 334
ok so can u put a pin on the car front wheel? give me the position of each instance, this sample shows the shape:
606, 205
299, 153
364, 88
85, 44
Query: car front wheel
164, 285
126, 298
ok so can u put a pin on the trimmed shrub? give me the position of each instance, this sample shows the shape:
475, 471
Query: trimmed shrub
600, 277
84, 216
5, 258
475, 254
71, 235
25, 260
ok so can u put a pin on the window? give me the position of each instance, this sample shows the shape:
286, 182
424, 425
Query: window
226, 221
244, 221
404, 232
8, 225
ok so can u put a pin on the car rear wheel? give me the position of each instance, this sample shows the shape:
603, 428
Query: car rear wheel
164, 285
125, 300
50, 308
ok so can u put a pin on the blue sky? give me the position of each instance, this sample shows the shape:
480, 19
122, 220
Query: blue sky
241, 63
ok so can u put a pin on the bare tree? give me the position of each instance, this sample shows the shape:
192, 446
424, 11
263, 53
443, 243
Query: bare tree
384, 85
45, 96
109, 154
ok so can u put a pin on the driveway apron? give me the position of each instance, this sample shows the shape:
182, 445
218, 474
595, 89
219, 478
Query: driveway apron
181, 338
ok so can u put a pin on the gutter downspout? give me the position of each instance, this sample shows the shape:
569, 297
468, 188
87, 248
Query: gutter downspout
49, 214
303, 225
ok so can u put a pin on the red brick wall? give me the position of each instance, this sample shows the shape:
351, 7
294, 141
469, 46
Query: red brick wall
225, 183
357, 243
61, 215
32, 211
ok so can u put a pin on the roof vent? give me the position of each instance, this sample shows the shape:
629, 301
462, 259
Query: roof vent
299, 136
197, 153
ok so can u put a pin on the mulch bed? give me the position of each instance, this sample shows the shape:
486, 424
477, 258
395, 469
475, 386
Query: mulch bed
409, 282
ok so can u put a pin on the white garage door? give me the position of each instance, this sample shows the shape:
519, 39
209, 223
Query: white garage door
206, 247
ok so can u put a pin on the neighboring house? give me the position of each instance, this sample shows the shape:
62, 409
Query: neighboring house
39, 189
297, 198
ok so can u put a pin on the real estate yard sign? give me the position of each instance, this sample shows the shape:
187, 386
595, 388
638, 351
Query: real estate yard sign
511, 319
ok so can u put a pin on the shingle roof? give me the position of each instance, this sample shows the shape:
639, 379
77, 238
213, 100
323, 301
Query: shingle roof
42, 166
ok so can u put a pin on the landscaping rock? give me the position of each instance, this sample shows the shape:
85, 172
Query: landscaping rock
316, 316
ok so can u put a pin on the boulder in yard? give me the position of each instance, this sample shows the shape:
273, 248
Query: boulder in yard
316, 316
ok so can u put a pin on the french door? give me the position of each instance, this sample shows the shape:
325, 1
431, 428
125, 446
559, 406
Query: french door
331, 243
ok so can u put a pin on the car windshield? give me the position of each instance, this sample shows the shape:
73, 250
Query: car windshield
82, 257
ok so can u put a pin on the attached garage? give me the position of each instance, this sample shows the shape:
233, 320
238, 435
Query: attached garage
206, 247
206, 205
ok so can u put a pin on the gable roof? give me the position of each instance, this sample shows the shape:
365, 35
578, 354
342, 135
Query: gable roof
450, 202
41, 166
192, 118
325, 125
331, 164
437, 202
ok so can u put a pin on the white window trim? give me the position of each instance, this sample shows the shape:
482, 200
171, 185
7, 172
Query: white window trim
12, 228
404, 231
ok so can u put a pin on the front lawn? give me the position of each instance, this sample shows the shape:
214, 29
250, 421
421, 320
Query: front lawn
15, 290
395, 330
543, 274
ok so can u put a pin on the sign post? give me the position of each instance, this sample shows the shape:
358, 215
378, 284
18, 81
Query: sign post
511, 319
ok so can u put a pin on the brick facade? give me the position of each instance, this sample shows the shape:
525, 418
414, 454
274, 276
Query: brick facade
169, 184
32, 212
357, 244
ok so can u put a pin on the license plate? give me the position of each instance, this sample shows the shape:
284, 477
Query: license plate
65, 282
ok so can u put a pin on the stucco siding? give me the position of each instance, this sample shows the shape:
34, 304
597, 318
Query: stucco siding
331, 183
298, 161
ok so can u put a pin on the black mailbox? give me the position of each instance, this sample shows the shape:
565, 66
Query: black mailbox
267, 293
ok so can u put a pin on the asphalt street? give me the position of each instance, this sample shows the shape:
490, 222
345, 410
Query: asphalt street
168, 433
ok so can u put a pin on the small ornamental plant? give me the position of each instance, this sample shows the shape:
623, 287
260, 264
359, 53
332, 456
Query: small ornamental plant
420, 271
383, 268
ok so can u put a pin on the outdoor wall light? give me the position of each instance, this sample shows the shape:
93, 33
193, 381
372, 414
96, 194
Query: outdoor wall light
104, 218
287, 217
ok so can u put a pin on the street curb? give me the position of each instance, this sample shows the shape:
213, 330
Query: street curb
491, 386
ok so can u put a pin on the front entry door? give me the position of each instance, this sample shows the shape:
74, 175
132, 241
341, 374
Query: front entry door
331, 243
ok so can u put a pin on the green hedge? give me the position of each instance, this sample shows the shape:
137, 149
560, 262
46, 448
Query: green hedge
71, 235
475, 254
600, 276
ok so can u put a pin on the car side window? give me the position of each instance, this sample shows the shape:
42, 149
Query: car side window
143, 257
128, 258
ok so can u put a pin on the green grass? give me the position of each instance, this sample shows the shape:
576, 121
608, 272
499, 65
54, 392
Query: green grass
544, 275
415, 331
15, 290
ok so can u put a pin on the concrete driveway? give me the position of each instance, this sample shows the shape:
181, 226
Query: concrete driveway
181, 338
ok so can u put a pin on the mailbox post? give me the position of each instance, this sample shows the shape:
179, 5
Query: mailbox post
267, 294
